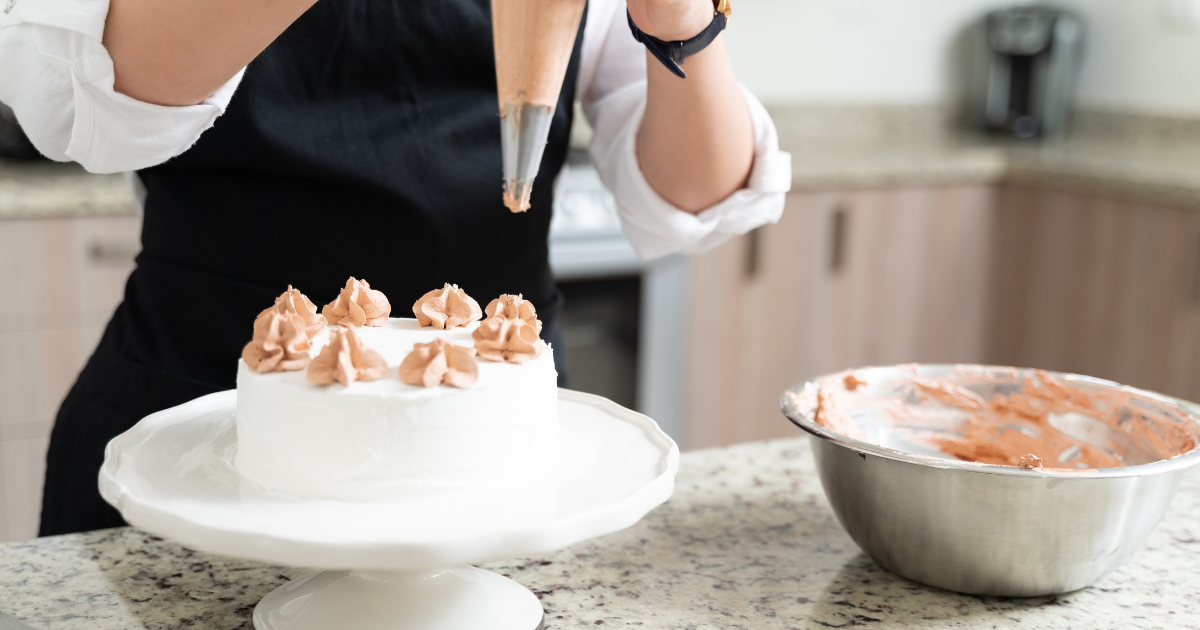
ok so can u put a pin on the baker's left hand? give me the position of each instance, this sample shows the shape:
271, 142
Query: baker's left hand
671, 20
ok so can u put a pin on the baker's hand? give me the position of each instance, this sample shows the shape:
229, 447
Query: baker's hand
671, 20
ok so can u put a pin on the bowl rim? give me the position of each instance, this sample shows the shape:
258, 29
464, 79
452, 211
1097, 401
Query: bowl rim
1179, 462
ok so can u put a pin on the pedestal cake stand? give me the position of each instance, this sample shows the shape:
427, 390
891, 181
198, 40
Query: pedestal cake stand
399, 563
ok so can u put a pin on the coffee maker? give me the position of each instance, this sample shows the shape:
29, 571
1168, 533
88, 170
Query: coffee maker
1024, 65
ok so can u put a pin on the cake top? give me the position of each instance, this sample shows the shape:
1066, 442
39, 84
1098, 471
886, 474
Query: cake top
286, 337
395, 341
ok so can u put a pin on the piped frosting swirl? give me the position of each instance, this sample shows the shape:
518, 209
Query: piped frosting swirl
515, 307
358, 305
510, 332
447, 307
293, 302
280, 343
431, 364
512, 340
346, 359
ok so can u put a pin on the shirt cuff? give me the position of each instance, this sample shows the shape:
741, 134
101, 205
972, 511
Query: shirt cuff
112, 132
58, 78
657, 228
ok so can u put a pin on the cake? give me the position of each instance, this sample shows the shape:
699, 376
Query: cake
363, 412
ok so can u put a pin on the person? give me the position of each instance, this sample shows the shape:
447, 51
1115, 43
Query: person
302, 142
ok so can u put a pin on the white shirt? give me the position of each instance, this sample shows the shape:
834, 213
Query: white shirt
58, 78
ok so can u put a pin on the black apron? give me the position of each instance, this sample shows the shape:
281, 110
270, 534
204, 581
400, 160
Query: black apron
365, 142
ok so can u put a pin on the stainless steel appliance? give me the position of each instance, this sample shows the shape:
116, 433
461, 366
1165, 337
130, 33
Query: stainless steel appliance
1025, 62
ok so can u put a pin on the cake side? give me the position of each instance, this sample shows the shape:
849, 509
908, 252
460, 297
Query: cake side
375, 438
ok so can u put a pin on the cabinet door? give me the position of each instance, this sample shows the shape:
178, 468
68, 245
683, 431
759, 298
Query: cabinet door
1098, 286
844, 279
61, 279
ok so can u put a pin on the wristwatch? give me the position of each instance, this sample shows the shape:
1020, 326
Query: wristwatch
672, 54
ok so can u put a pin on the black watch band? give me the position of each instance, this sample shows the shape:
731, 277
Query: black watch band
672, 54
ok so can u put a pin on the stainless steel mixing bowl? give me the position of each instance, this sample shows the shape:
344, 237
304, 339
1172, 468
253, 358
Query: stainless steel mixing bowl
987, 530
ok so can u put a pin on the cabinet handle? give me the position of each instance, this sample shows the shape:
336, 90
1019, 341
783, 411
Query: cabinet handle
753, 252
1194, 280
113, 253
837, 240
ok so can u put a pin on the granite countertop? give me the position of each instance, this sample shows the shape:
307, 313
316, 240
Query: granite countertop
49, 189
1144, 159
748, 541
1157, 176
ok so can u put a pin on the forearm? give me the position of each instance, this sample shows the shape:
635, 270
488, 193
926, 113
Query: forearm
178, 52
696, 142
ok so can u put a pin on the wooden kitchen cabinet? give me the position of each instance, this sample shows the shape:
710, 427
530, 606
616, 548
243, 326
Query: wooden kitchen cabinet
1098, 286
1005, 275
61, 280
844, 279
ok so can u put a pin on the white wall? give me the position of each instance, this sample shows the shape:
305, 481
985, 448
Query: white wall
906, 52
1136, 59
848, 51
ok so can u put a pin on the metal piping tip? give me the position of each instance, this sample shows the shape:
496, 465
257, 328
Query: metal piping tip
516, 194
525, 128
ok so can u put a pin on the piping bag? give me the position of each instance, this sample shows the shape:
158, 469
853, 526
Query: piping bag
533, 41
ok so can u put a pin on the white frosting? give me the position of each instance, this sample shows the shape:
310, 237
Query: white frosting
380, 438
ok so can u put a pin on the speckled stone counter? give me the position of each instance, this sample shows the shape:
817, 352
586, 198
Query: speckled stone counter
1135, 158
748, 541
1168, 177
48, 189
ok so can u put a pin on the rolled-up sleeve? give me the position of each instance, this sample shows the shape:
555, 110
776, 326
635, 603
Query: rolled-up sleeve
613, 94
58, 79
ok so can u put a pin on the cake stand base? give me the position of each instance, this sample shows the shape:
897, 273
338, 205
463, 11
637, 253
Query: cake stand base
173, 475
457, 598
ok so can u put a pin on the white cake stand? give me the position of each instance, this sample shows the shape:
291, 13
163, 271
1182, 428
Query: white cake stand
397, 564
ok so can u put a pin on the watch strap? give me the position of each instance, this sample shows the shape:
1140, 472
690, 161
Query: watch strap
672, 54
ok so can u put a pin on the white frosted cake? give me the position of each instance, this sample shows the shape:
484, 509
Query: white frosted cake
375, 438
